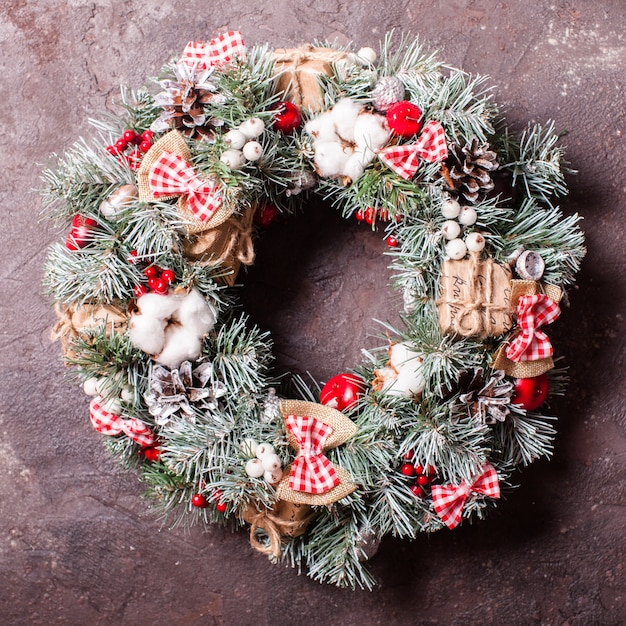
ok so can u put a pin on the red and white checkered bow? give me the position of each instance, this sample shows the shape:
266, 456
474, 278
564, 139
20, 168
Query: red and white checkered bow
430, 146
111, 424
171, 175
449, 500
218, 51
533, 344
311, 471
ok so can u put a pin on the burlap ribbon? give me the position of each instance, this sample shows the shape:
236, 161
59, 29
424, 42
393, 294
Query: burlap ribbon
525, 369
475, 297
75, 319
297, 72
175, 143
342, 429
285, 519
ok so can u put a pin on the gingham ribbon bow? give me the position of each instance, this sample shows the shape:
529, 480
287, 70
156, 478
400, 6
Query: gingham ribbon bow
111, 424
430, 146
218, 51
449, 500
172, 175
311, 471
533, 344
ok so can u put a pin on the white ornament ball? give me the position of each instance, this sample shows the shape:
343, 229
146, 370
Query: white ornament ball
233, 159
468, 216
253, 151
450, 229
235, 139
456, 249
113, 406
273, 478
254, 468
90, 386
249, 446
263, 449
252, 128
450, 209
367, 56
475, 242
271, 462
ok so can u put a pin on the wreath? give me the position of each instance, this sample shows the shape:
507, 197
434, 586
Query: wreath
162, 208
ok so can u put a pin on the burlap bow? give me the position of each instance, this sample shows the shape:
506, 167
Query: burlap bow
111, 424
218, 51
449, 500
166, 172
311, 430
430, 146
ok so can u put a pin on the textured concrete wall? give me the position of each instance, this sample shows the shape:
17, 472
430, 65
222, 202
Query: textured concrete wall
76, 546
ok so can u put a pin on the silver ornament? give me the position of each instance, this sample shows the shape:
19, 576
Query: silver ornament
387, 91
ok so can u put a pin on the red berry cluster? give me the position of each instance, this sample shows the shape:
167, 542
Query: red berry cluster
423, 476
80, 233
159, 280
130, 138
200, 501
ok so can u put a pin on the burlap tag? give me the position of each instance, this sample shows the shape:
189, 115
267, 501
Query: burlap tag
175, 142
297, 71
229, 244
343, 429
75, 319
525, 369
285, 519
475, 298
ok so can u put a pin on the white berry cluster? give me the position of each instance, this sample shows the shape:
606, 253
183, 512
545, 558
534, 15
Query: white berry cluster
98, 386
264, 462
242, 144
457, 217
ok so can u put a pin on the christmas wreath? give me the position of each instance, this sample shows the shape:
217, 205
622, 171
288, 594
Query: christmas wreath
162, 207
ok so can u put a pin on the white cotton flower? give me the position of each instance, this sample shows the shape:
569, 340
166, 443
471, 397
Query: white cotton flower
147, 333
322, 128
403, 376
371, 131
156, 305
196, 314
357, 162
344, 116
331, 158
181, 344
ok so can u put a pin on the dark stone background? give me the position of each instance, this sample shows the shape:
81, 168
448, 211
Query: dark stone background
76, 545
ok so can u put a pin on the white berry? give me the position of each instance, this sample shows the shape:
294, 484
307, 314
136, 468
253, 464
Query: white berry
252, 128
450, 229
274, 477
475, 242
235, 139
249, 447
468, 216
456, 249
271, 462
367, 56
450, 209
254, 468
128, 395
234, 159
113, 406
90, 386
253, 151
263, 449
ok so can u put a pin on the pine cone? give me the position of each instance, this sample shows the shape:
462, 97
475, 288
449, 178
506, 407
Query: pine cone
183, 100
469, 169
387, 91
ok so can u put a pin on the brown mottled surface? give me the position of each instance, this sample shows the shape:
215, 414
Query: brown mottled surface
75, 544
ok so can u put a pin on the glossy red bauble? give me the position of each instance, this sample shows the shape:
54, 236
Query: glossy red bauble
531, 393
265, 215
81, 232
199, 501
287, 118
404, 118
342, 391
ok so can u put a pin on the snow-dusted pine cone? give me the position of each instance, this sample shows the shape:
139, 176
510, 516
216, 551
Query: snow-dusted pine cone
387, 91
469, 169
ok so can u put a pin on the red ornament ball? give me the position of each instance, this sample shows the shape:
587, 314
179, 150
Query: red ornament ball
531, 393
342, 391
404, 118
198, 500
287, 118
80, 232
392, 242
407, 469
265, 215
221, 507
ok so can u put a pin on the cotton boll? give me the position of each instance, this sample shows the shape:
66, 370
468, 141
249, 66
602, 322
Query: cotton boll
331, 158
321, 128
408, 364
371, 131
344, 116
157, 306
180, 345
195, 314
356, 163
147, 333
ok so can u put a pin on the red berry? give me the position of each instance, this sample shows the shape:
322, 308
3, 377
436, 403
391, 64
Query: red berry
423, 480
152, 453
147, 135
151, 271
392, 242
407, 469
121, 145
159, 286
408, 456
417, 491
221, 507
383, 214
168, 276
432, 472
112, 150
342, 391
145, 145
531, 393
359, 215
419, 469
132, 256
287, 118
404, 118
129, 136
140, 290
199, 500
370, 215
265, 215
152, 282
